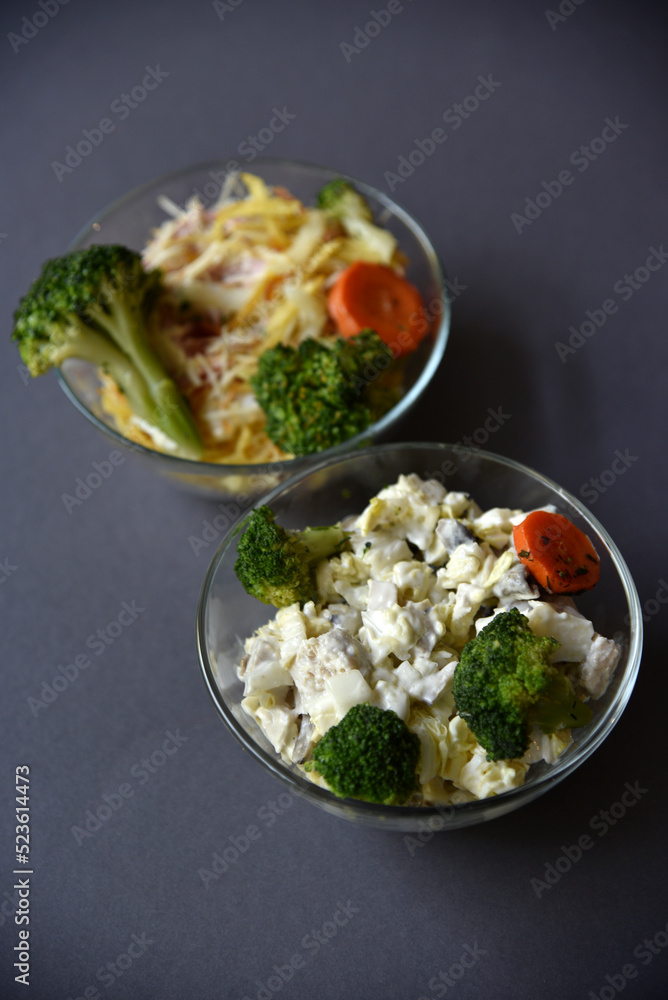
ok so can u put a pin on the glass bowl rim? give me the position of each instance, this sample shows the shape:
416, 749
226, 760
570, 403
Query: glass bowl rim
182, 464
366, 811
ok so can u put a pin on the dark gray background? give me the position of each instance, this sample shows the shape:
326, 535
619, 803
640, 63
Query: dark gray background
69, 573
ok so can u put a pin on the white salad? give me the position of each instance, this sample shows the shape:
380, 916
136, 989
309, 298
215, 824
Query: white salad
422, 572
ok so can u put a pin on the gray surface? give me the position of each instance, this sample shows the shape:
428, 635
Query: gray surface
414, 914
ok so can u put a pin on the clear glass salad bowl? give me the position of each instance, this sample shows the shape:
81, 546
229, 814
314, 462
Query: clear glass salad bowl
130, 220
339, 486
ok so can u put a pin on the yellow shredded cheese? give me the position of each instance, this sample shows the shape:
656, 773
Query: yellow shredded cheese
251, 272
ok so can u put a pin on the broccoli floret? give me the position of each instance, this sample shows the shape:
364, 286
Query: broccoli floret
340, 199
342, 202
93, 305
504, 684
276, 565
323, 393
371, 755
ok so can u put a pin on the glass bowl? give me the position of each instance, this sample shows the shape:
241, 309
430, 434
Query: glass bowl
340, 486
130, 221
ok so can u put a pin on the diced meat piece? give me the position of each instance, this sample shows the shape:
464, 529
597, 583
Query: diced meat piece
304, 741
453, 533
317, 661
599, 665
514, 586
564, 602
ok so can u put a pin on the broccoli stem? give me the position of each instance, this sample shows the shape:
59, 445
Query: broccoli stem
559, 708
319, 543
86, 345
166, 406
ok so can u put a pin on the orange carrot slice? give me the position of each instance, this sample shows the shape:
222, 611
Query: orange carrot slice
373, 296
557, 554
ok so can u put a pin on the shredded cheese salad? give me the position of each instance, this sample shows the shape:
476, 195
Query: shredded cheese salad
427, 570
251, 272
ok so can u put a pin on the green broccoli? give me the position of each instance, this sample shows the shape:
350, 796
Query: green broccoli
92, 304
339, 198
323, 393
370, 755
504, 684
342, 202
276, 565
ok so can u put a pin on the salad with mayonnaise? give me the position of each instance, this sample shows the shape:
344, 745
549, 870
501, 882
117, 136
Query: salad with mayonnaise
419, 576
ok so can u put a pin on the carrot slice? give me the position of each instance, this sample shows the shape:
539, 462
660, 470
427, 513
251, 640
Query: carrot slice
557, 554
374, 296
